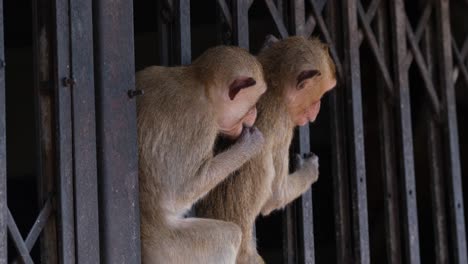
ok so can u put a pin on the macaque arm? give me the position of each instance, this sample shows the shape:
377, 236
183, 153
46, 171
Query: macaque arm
214, 170
290, 186
295, 185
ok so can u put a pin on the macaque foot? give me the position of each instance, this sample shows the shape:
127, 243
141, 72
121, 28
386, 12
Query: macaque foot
253, 258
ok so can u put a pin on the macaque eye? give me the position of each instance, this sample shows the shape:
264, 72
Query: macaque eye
304, 75
239, 84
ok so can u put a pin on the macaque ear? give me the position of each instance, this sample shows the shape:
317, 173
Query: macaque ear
304, 75
239, 84
269, 41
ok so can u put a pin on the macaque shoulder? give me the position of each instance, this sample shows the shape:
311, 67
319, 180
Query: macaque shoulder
158, 77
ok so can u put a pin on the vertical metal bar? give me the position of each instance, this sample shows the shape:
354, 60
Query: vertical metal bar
84, 132
405, 140
437, 191
340, 180
183, 43
356, 147
388, 165
44, 114
223, 27
297, 17
3, 175
290, 214
116, 132
44, 117
339, 161
64, 133
306, 225
437, 183
289, 235
451, 133
306, 222
240, 23
163, 35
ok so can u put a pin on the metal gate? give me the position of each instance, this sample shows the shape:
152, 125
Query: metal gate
390, 143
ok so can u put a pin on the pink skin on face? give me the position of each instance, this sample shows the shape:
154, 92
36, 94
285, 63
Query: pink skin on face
309, 115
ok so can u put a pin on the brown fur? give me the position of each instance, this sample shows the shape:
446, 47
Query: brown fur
263, 184
177, 127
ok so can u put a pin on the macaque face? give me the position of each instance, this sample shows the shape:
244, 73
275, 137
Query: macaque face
304, 95
237, 108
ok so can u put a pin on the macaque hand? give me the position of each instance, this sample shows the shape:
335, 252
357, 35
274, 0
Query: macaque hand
251, 141
308, 166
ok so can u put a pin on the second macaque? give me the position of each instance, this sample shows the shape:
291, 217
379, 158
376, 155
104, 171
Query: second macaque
298, 72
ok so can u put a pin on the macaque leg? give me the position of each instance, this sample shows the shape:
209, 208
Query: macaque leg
195, 241
296, 184
248, 250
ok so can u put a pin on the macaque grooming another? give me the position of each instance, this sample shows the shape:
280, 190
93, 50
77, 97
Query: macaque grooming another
298, 72
179, 117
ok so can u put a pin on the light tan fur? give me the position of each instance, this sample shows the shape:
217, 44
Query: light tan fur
178, 122
263, 184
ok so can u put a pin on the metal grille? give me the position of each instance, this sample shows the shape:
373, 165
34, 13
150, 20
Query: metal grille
390, 142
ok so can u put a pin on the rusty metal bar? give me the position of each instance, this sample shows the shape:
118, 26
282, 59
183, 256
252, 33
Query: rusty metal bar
387, 139
240, 22
405, 134
64, 133
3, 154
357, 167
84, 132
116, 132
457, 216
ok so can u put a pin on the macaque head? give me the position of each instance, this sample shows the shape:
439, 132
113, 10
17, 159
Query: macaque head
234, 82
301, 71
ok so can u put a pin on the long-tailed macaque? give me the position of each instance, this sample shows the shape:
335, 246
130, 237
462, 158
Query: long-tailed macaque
298, 72
179, 117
